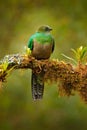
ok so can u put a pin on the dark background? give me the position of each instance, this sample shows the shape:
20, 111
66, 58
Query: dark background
19, 19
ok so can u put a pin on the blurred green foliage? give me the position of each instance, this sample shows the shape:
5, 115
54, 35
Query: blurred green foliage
19, 19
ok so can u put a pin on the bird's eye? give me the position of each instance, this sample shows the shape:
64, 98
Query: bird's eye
46, 29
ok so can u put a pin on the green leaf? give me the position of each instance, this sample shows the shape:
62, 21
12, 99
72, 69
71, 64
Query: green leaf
5, 65
84, 52
73, 50
80, 55
27, 50
69, 58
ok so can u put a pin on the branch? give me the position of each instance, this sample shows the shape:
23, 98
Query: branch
70, 79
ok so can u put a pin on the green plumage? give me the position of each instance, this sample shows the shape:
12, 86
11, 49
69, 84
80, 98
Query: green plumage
41, 38
42, 45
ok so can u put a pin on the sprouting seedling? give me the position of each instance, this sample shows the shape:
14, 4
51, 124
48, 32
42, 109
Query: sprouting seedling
80, 55
5, 65
27, 50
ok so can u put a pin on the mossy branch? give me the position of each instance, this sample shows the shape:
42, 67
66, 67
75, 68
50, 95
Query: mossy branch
71, 79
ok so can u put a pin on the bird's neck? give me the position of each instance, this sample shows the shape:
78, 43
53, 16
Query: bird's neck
44, 33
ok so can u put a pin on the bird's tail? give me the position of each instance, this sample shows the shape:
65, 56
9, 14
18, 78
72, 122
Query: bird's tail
37, 84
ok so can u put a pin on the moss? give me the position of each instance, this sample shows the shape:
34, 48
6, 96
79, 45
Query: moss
70, 79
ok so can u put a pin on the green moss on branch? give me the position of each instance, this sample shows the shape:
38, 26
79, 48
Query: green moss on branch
70, 79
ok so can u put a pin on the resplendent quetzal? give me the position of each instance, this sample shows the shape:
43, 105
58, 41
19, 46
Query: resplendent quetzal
41, 45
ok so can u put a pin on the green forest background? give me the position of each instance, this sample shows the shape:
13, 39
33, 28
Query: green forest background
19, 19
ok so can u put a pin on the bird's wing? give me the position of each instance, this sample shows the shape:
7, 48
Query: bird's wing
31, 43
53, 46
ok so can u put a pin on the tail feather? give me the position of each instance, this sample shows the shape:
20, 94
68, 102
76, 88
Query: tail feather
37, 84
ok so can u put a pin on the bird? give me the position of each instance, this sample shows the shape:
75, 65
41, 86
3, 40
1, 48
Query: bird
41, 44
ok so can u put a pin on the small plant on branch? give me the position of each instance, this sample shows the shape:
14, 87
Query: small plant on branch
80, 55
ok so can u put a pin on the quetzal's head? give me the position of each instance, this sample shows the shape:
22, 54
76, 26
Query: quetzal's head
44, 28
